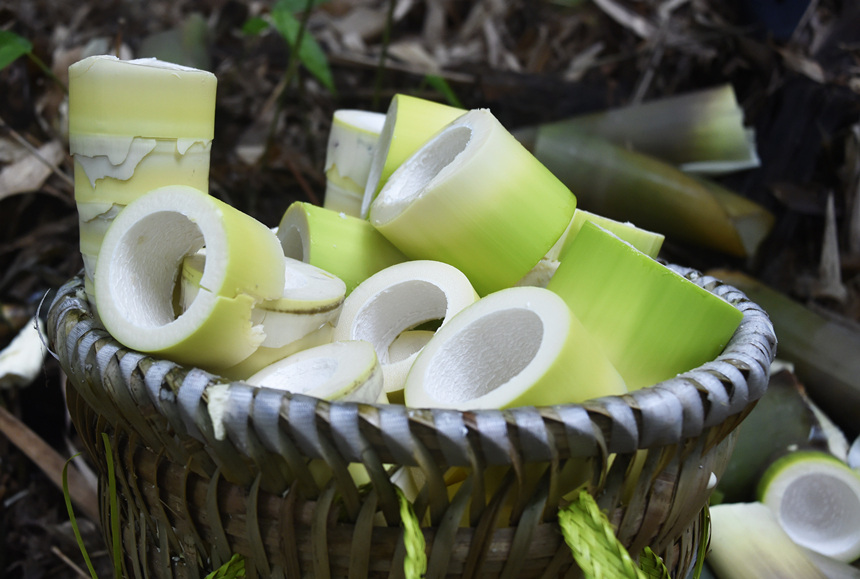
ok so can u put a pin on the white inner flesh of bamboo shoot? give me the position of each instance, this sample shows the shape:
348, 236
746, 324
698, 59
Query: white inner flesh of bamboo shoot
822, 513
485, 354
400, 307
415, 177
147, 299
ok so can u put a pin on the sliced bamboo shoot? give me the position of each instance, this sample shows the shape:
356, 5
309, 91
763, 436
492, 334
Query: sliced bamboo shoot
345, 246
139, 266
473, 197
516, 347
652, 323
398, 299
134, 126
409, 123
701, 131
628, 186
348, 371
351, 143
816, 499
748, 543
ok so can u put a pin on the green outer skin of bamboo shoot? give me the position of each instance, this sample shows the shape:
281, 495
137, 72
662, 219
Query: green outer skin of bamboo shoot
700, 129
108, 96
491, 210
648, 242
629, 186
340, 244
652, 323
824, 353
410, 122
140, 260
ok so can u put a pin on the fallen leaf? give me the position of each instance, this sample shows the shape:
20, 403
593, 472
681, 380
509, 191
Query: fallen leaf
29, 173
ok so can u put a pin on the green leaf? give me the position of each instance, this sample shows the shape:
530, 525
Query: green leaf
254, 26
443, 88
73, 520
415, 561
233, 568
592, 541
310, 53
12, 47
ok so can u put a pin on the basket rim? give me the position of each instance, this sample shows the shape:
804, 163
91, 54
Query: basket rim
666, 413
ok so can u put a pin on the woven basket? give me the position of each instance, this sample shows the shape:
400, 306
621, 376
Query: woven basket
279, 489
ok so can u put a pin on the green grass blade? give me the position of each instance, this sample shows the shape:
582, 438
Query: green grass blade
73, 520
441, 86
12, 47
116, 545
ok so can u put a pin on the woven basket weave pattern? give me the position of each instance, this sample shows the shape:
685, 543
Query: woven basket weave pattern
280, 488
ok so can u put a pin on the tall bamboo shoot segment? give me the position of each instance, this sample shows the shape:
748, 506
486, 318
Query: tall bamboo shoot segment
135, 125
396, 300
648, 242
516, 347
139, 267
628, 186
343, 245
473, 197
409, 123
701, 131
351, 143
816, 499
652, 323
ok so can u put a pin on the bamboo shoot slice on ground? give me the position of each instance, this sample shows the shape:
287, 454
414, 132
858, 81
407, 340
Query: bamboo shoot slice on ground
516, 347
628, 186
701, 131
748, 543
345, 246
398, 299
473, 197
816, 499
409, 122
139, 266
651, 322
351, 143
